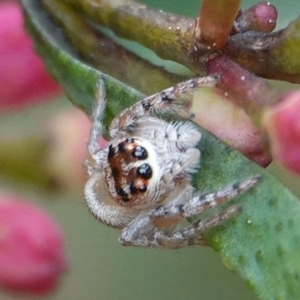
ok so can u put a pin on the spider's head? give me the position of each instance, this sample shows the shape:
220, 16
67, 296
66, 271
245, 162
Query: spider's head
131, 172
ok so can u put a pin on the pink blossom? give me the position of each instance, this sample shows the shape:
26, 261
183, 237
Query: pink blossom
23, 78
282, 124
31, 248
260, 17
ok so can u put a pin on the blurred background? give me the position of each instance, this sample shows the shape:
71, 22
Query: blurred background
42, 146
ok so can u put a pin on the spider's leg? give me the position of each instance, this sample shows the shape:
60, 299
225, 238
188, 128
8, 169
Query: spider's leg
169, 100
97, 127
192, 235
142, 233
172, 99
166, 214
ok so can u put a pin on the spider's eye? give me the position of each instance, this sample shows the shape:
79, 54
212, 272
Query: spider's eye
123, 194
127, 145
140, 152
134, 188
143, 188
129, 140
112, 151
145, 171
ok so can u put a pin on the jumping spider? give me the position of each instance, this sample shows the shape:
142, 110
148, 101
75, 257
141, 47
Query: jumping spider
141, 181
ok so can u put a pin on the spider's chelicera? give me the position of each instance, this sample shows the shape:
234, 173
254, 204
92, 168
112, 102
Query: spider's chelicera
141, 181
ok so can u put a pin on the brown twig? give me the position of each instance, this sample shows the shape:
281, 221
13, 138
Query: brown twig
109, 57
246, 90
215, 22
259, 17
168, 35
172, 37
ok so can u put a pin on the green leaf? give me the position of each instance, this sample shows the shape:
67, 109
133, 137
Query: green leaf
262, 243
287, 49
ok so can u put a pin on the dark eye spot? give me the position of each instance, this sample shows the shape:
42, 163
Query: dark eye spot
146, 105
111, 151
129, 140
143, 188
133, 189
122, 147
145, 171
115, 172
130, 128
123, 194
140, 152
166, 98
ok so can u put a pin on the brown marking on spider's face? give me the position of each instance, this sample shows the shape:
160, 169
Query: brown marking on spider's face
129, 183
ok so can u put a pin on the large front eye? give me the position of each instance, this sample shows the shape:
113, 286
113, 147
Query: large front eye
145, 171
140, 152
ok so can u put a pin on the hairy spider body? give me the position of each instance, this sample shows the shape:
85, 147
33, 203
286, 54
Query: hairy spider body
141, 181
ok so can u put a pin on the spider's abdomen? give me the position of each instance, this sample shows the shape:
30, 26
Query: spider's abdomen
130, 169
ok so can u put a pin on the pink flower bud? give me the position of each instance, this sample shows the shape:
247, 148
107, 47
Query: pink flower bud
31, 248
23, 78
260, 17
282, 124
214, 111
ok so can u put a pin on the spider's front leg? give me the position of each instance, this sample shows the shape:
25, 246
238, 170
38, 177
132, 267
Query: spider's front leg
170, 213
97, 127
193, 235
166, 215
169, 100
158, 227
142, 233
